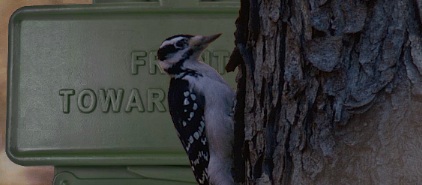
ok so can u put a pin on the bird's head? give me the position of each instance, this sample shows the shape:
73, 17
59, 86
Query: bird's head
180, 48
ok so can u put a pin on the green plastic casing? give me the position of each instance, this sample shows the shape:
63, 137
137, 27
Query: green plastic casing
86, 95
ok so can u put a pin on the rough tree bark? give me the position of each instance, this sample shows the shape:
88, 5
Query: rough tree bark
329, 92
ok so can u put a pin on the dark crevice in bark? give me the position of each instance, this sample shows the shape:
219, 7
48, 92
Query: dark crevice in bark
237, 59
239, 129
288, 163
417, 15
309, 124
262, 95
317, 34
371, 4
254, 22
331, 29
288, 8
257, 170
246, 163
282, 55
271, 141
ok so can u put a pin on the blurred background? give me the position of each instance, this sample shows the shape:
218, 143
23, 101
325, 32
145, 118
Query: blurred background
10, 173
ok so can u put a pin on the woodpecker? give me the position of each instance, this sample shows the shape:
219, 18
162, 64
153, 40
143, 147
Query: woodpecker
201, 107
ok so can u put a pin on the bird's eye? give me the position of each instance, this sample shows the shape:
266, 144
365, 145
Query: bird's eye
181, 43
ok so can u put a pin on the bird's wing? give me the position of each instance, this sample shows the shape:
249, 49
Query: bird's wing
187, 112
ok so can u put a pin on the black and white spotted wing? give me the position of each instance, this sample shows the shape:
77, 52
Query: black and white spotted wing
187, 112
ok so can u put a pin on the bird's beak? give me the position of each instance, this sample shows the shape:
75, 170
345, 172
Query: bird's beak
201, 42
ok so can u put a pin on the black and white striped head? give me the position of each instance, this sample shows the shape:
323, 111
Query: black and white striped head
177, 49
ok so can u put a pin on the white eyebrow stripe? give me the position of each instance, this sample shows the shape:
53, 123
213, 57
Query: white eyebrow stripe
172, 41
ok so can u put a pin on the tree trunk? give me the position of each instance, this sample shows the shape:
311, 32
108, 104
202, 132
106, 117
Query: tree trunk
329, 92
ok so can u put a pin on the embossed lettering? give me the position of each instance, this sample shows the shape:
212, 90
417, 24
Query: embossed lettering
87, 106
206, 56
88, 100
134, 101
66, 93
216, 59
153, 65
222, 57
156, 97
138, 59
111, 98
